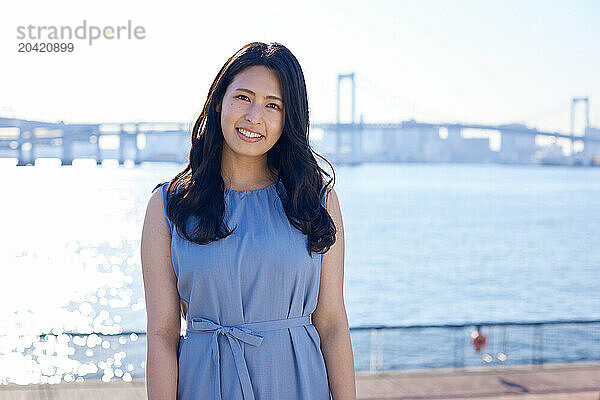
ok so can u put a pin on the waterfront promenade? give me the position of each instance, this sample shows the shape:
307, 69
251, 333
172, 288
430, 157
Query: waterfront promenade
579, 381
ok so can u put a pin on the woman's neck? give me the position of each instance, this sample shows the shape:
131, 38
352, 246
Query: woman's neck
246, 181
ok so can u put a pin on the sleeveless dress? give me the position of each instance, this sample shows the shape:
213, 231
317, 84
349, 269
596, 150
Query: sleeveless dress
250, 296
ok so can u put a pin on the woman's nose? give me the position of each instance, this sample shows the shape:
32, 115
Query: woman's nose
254, 113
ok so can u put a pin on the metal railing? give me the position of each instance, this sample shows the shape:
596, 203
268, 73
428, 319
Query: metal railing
507, 343
382, 347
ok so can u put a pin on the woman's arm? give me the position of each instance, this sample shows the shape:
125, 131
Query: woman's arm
162, 303
330, 315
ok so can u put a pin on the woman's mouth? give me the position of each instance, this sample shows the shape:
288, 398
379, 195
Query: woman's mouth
247, 135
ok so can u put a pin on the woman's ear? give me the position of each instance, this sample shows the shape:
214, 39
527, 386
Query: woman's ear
218, 108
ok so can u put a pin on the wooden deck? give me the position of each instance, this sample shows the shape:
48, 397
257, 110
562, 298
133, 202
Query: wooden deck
552, 382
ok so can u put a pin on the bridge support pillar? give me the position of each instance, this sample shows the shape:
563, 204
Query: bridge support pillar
67, 158
25, 147
137, 160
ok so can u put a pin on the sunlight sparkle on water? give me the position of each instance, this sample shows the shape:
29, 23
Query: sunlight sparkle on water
71, 266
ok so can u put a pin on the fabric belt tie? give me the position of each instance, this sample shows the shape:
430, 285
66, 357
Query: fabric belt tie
245, 333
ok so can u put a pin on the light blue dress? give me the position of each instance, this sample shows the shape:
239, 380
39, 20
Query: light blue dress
250, 297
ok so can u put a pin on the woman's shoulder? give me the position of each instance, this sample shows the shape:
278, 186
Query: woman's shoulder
332, 203
161, 186
156, 209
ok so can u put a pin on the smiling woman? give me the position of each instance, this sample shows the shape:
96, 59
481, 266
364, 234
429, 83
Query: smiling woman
251, 115
263, 302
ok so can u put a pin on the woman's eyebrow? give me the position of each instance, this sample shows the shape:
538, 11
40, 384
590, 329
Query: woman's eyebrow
254, 94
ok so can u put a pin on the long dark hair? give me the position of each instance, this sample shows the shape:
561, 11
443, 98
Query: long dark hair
198, 190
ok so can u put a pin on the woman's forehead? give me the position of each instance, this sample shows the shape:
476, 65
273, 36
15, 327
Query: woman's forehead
259, 79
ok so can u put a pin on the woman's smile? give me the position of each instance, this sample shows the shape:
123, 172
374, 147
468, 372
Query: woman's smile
248, 136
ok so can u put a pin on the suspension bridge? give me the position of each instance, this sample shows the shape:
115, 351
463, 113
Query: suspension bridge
348, 141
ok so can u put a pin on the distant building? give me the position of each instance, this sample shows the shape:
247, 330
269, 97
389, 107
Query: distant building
516, 147
591, 150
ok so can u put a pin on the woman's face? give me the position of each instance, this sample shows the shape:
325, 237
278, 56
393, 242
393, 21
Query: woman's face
253, 104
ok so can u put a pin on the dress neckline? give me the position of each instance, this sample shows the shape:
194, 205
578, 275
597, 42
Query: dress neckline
251, 190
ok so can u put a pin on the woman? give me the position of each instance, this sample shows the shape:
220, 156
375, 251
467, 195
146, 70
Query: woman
248, 244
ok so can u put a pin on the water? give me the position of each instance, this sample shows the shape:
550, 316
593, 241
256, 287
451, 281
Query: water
425, 243
454, 243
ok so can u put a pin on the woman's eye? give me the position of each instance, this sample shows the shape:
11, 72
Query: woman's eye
245, 98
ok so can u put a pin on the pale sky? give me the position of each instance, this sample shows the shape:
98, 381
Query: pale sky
486, 62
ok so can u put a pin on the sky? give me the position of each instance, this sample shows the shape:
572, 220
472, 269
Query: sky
485, 62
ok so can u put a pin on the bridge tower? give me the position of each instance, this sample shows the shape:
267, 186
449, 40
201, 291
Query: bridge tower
352, 128
339, 81
574, 102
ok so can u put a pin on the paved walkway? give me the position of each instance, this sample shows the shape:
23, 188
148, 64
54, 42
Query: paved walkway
552, 382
